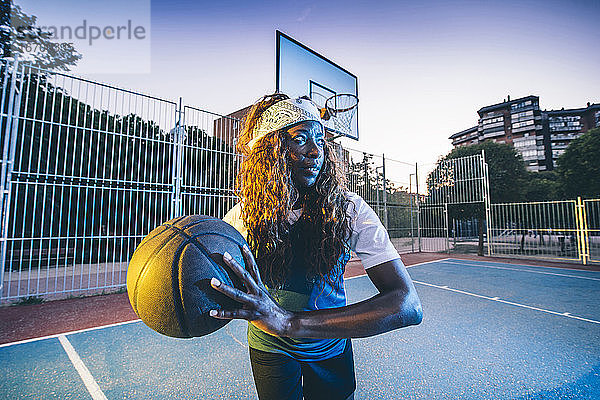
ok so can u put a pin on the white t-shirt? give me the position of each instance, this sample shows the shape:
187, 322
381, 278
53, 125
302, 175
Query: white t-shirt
369, 239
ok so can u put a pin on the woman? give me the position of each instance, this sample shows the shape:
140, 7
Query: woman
301, 223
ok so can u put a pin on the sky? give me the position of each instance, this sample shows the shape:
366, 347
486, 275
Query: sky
424, 68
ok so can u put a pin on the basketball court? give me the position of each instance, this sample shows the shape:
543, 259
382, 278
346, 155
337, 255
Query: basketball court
490, 330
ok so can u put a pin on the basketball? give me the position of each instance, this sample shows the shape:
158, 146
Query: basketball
168, 279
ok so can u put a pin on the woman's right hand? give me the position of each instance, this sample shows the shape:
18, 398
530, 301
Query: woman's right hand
258, 306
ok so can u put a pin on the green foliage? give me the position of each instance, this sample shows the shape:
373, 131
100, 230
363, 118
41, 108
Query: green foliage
30, 300
368, 182
21, 37
579, 166
542, 186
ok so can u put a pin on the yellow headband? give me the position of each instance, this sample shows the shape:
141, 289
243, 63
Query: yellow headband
283, 114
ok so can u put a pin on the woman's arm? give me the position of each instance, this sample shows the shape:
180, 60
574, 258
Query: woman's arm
397, 305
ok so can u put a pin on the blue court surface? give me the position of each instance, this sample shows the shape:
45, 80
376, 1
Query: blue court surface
490, 331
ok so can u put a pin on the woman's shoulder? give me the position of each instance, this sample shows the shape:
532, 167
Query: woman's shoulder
357, 203
234, 218
234, 213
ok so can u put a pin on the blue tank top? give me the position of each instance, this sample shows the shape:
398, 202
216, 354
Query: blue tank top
302, 294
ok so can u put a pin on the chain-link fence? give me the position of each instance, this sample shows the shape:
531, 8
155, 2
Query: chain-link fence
88, 169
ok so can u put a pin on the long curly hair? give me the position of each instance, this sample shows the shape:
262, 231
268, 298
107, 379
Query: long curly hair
267, 193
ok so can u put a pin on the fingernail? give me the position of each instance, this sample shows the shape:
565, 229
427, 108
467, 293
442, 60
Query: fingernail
227, 256
212, 313
215, 282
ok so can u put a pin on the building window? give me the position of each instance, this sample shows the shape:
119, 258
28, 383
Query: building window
523, 104
517, 125
565, 123
492, 120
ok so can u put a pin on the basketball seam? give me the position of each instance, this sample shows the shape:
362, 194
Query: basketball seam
204, 252
170, 226
143, 270
167, 225
175, 286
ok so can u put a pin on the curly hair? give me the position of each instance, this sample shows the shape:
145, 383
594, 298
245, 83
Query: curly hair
267, 193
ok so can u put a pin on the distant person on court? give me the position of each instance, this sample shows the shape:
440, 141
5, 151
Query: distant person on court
301, 223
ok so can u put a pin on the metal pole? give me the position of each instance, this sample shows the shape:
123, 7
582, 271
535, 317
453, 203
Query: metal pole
412, 239
377, 191
486, 191
177, 160
10, 137
418, 205
385, 211
446, 228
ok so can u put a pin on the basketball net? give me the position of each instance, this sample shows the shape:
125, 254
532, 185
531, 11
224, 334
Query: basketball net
342, 108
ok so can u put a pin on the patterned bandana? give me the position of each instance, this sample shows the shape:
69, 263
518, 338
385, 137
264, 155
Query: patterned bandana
283, 114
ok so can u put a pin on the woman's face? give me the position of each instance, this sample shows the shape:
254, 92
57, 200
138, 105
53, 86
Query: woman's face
305, 145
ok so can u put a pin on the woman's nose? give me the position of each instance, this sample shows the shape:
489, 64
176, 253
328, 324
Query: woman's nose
313, 150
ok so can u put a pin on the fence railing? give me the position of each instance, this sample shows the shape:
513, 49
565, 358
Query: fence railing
591, 221
567, 230
88, 169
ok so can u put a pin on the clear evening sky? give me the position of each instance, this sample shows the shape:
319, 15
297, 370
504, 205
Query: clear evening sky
424, 68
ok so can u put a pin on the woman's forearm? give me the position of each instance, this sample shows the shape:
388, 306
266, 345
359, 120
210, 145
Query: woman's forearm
381, 313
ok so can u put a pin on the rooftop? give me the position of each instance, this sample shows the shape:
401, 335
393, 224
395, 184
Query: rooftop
506, 103
574, 110
465, 132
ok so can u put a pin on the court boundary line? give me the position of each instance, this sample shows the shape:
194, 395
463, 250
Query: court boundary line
512, 303
523, 265
84, 373
524, 270
407, 266
56, 335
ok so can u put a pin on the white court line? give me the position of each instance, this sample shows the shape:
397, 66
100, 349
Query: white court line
407, 266
522, 265
84, 373
522, 270
67, 333
138, 320
234, 338
568, 315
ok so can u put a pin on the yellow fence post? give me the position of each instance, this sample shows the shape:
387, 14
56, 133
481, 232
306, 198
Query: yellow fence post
582, 232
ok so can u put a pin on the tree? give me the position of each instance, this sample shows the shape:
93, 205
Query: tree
20, 37
542, 186
579, 166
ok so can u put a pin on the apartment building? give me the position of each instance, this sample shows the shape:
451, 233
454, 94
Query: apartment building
540, 136
566, 125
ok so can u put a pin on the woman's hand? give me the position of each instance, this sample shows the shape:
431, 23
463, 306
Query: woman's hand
258, 306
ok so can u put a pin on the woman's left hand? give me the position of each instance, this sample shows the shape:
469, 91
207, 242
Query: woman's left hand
258, 306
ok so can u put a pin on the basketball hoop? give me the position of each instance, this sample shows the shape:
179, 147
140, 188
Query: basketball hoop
341, 109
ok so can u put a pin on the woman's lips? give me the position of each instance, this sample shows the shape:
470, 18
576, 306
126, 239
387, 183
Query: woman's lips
312, 168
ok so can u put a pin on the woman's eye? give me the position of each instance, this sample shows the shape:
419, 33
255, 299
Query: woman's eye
299, 139
321, 142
